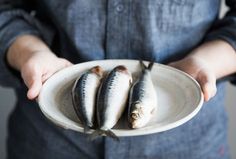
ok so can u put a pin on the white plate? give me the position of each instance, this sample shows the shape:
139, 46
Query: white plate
179, 97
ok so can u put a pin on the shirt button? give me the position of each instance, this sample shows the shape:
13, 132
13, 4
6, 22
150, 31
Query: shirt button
119, 8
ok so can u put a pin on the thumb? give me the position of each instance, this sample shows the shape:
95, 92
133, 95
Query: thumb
207, 82
34, 83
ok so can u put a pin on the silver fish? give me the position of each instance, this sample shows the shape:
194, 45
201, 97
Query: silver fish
84, 96
143, 99
112, 100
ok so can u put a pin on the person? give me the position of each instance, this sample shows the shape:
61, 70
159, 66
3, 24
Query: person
39, 38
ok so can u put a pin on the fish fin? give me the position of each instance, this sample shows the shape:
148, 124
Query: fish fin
150, 65
130, 81
153, 111
86, 129
111, 134
143, 66
95, 134
99, 132
73, 89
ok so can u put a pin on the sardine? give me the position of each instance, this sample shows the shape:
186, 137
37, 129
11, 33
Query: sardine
84, 93
142, 99
112, 100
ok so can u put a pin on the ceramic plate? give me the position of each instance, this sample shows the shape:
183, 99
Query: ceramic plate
179, 97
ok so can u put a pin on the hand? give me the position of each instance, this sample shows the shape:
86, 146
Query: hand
208, 62
31, 56
201, 71
38, 68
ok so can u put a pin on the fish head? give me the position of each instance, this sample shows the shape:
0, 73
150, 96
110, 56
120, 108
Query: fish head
124, 70
138, 117
97, 70
121, 68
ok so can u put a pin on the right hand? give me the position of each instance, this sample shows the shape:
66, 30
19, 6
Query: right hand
35, 61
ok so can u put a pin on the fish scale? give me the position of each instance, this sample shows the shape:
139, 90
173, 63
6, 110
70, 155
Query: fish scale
109, 91
143, 100
84, 96
112, 99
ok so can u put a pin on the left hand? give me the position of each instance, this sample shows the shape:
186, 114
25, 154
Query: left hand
199, 70
210, 61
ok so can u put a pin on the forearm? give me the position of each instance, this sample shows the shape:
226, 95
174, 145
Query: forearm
23, 48
219, 55
36, 63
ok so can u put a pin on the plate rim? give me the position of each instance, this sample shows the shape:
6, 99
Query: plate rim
132, 132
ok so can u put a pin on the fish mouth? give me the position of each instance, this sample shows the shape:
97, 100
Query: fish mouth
134, 120
138, 112
134, 124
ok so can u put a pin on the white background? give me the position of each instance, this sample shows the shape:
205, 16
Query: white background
7, 100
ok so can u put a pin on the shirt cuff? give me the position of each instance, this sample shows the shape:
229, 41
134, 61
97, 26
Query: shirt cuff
227, 34
8, 76
15, 23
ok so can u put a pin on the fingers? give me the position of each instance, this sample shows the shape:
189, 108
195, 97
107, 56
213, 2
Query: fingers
46, 76
208, 84
59, 64
34, 75
67, 63
34, 88
200, 71
63, 63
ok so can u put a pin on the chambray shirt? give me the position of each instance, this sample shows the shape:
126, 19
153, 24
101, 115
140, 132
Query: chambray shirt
84, 30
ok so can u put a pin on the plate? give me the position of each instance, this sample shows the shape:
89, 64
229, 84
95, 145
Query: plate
179, 97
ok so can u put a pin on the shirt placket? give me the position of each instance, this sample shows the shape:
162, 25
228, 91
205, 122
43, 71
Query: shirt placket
117, 47
117, 29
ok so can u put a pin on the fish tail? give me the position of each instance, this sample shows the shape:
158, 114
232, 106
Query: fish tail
86, 128
149, 67
142, 65
111, 134
100, 132
95, 135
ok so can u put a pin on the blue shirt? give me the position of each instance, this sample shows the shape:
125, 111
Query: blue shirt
159, 30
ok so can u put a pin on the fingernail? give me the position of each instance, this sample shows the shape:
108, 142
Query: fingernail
206, 99
31, 94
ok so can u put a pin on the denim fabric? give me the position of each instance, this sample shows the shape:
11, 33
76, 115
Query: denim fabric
32, 136
84, 30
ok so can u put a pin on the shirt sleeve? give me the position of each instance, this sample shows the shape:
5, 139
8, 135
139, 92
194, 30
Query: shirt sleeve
17, 19
225, 29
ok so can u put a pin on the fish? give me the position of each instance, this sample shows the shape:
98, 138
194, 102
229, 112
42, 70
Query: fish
112, 100
142, 99
84, 93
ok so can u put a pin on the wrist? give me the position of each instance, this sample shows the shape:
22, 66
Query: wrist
23, 48
218, 56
